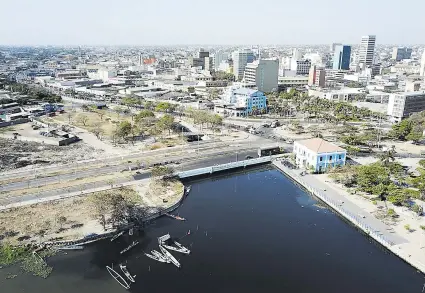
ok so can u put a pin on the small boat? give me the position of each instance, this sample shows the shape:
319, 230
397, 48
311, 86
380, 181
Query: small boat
164, 238
181, 246
118, 277
181, 250
175, 217
117, 235
160, 255
154, 257
71, 247
129, 247
170, 256
187, 190
127, 273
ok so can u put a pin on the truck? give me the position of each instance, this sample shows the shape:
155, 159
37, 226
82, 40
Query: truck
269, 151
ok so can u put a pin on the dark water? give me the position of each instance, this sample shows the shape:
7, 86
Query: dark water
253, 236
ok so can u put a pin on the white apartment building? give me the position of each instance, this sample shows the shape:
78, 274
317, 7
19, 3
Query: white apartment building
292, 81
403, 105
301, 67
422, 68
219, 57
367, 49
264, 73
240, 59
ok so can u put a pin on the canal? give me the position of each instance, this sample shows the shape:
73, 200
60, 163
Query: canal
249, 232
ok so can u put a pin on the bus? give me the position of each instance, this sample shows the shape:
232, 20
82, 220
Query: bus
269, 151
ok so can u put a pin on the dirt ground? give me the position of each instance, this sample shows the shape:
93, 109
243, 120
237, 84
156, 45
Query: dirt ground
17, 154
72, 218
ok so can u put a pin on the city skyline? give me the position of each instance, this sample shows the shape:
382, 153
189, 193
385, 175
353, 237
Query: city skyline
167, 23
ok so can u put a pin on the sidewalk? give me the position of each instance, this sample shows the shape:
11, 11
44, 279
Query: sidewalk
407, 250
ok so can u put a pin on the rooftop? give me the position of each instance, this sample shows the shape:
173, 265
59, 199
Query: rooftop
319, 145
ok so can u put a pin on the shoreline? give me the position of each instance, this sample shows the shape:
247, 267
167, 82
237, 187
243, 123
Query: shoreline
354, 219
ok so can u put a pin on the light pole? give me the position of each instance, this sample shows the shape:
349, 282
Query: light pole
236, 156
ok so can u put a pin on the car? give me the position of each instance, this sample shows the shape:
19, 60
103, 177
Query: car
248, 157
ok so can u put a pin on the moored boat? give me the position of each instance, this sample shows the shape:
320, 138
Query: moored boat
118, 277
181, 250
170, 256
154, 257
127, 273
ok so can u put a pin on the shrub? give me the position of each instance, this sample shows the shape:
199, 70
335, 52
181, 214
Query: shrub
407, 227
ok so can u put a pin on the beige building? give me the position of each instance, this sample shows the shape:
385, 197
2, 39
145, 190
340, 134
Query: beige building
403, 105
263, 73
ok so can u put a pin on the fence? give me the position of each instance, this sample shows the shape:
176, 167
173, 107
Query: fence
356, 220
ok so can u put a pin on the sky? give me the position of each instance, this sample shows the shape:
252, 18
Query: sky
225, 22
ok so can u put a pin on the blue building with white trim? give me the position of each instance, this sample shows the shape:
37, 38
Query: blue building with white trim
245, 100
318, 154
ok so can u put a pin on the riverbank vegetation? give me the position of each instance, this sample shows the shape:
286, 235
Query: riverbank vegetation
385, 180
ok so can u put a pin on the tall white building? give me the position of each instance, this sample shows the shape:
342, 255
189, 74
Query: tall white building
367, 49
296, 55
422, 70
219, 57
240, 59
264, 73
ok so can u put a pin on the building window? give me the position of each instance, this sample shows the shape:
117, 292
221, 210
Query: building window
321, 159
330, 158
340, 157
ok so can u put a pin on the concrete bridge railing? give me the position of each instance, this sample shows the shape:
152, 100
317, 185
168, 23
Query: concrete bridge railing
223, 167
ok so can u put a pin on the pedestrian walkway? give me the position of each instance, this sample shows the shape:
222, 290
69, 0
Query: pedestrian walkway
345, 203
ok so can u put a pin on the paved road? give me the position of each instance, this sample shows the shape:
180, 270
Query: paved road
113, 160
202, 162
107, 169
346, 204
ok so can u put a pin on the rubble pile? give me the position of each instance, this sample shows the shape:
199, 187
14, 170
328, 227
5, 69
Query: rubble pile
18, 154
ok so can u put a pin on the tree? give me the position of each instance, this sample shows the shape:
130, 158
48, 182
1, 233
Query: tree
97, 130
143, 114
414, 136
166, 122
83, 119
401, 130
159, 171
124, 129
61, 220
190, 89
369, 176
129, 102
165, 107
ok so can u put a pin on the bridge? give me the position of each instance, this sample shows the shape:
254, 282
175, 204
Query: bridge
224, 167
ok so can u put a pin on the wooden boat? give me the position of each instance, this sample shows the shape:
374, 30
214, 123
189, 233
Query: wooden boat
181, 247
117, 235
118, 277
129, 247
181, 250
154, 257
170, 256
127, 273
160, 256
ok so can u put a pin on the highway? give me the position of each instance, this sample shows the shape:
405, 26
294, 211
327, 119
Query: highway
187, 165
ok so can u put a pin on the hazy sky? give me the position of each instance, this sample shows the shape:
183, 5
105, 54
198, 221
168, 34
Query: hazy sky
167, 22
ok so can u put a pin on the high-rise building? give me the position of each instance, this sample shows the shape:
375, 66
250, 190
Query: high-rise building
219, 57
317, 76
240, 59
342, 55
403, 105
301, 67
202, 53
422, 69
333, 45
367, 50
400, 53
296, 55
264, 73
